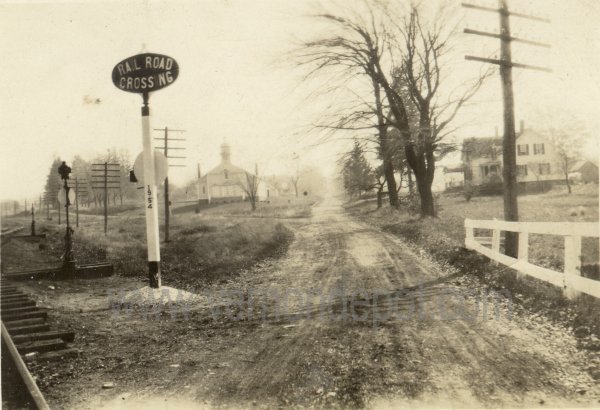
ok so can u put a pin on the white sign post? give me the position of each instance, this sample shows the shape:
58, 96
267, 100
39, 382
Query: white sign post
152, 234
143, 74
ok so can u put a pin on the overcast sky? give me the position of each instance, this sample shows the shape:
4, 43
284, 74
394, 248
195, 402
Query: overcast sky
233, 85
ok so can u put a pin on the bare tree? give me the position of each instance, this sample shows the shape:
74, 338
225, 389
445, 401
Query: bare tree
416, 90
403, 59
380, 184
568, 145
356, 51
294, 179
250, 187
568, 136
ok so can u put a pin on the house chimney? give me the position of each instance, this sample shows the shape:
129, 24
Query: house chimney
496, 131
521, 126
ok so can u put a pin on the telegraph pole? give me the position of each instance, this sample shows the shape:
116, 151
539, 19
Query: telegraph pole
509, 150
32, 221
106, 176
165, 140
76, 202
199, 176
81, 190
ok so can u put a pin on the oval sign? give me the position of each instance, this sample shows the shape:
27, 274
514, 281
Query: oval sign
161, 167
144, 73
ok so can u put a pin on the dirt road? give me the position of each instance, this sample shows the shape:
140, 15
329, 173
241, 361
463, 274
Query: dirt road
367, 322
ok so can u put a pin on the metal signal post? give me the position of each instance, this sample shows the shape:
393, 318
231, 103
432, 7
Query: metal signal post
68, 261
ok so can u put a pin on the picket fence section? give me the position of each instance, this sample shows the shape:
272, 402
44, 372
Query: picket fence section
570, 280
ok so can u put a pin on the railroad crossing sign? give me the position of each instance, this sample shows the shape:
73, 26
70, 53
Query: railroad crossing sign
143, 74
161, 167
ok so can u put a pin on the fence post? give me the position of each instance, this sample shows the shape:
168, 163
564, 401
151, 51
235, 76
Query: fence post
523, 251
496, 242
469, 233
572, 264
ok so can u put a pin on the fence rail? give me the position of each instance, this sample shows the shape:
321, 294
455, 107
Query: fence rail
570, 280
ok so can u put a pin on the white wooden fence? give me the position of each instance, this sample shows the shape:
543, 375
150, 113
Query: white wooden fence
570, 279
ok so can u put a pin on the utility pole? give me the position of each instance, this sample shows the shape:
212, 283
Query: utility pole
165, 140
32, 221
199, 177
106, 176
76, 202
509, 150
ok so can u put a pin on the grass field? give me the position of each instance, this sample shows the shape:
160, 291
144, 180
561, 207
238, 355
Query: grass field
206, 247
443, 239
554, 206
276, 207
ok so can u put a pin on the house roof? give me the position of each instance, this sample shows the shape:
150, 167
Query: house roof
219, 169
477, 147
531, 131
579, 164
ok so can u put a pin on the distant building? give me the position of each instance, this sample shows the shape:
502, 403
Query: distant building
228, 182
537, 162
454, 177
225, 182
584, 171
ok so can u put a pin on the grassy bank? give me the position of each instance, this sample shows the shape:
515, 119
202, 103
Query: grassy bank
202, 248
276, 207
443, 239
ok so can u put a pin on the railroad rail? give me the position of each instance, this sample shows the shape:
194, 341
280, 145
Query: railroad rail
26, 333
30, 396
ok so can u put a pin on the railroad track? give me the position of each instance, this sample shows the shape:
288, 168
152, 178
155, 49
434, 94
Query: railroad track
25, 334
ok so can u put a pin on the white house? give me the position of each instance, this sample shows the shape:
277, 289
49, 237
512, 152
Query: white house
537, 161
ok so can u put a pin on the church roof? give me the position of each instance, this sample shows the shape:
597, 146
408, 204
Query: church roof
232, 169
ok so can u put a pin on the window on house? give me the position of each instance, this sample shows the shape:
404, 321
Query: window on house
544, 169
494, 154
490, 170
521, 170
226, 174
538, 149
203, 189
523, 149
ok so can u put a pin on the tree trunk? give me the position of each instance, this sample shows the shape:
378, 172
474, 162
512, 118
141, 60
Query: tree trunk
379, 198
390, 179
424, 175
426, 196
568, 182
